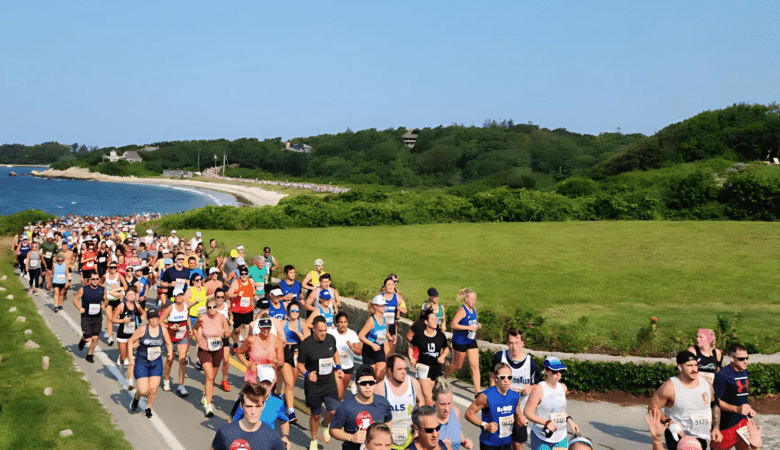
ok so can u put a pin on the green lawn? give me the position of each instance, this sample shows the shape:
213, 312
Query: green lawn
618, 274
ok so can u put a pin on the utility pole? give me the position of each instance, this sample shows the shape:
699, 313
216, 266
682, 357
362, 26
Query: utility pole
198, 160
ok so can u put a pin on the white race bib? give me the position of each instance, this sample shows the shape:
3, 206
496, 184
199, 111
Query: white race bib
399, 436
102, 259
390, 318
180, 282
344, 356
59, 278
47, 255
214, 344
130, 327
472, 334
152, 353
182, 331
245, 302
559, 418
422, 371
505, 425
701, 424
744, 434
326, 366
381, 337
94, 309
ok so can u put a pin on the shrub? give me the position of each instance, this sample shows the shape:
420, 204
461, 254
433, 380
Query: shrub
10, 225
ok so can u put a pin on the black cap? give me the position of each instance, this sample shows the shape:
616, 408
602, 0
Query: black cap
152, 313
364, 370
432, 292
685, 356
263, 303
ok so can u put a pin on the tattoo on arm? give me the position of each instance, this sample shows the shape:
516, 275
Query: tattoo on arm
715, 415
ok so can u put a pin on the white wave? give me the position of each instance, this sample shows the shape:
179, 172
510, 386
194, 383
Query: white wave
208, 194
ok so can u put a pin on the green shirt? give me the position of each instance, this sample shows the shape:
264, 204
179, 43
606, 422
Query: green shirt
258, 276
49, 249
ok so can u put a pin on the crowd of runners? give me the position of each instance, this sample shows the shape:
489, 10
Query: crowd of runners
155, 296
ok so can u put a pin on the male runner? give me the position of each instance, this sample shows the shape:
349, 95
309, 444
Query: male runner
731, 387
403, 393
358, 412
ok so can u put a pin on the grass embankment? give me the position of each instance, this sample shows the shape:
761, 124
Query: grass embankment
617, 274
29, 418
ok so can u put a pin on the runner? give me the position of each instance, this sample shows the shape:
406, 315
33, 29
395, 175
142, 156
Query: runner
35, 267
276, 308
50, 250
732, 388
94, 299
291, 288
176, 319
525, 375
403, 393
294, 332
224, 309
273, 409
395, 306
312, 279
358, 412
178, 275
116, 286
129, 315
438, 309
249, 432
378, 437
427, 429
710, 358
260, 350
325, 309
148, 367
313, 299
141, 283
447, 413
270, 265
60, 281
319, 361
258, 273
432, 351
688, 403
546, 408
21, 251
241, 304
214, 282
210, 330
195, 298
500, 408
464, 337
348, 346
373, 335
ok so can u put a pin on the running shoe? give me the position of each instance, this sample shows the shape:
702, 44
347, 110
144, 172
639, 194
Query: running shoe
134, 404
313, 445
82, 343
167, 385
90, 358
235, 347
225, 386
110, 341
130, 384
119, 361
291, 416
56, 308
148, 413
209, 410
198, 365
325, 433
182, 392
203, 401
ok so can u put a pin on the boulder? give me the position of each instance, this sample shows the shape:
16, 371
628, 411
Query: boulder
12, 309
3, 278
10, 297
28, 331
48, 391
21, 319
66, 433
2, 288
30, 345
45, 363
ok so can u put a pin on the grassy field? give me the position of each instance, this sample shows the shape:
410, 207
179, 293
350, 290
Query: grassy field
30, 419
618, 274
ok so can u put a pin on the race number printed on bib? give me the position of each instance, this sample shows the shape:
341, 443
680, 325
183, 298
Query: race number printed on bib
505, 425
326, 366
94, 309
181, 332
102, 259
47, 255
214, 344
399, 436
559, 418
390, 318
472, 334
744, 434
60, 278
344, 356
90, 265
152, 353
381, 337
701, 423
130, 327
245, 302
422, 371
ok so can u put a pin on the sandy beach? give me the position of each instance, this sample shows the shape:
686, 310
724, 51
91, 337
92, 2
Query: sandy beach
247, 195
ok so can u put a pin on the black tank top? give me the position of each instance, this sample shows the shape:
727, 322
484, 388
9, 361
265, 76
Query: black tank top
709, 364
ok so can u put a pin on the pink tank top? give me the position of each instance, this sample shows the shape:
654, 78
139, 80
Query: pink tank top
210, 328
259, 353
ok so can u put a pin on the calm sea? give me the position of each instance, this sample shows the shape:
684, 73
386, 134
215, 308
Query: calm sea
61, 197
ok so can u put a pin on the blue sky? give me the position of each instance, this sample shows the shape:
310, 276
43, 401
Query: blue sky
111, 73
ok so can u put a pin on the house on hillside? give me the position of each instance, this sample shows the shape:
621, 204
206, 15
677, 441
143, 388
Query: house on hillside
300, 148
410, 137
129, 156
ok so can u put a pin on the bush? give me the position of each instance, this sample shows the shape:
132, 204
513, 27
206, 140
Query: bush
10, 225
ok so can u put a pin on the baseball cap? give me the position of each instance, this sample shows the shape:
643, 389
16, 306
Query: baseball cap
553, 363
685, 356
241, 262
432, 292
198, 234
240, 247
178, 291
689, 443
149, 232
277, 292
318, 262
213, 270
152, 313
233, 253
265, 373
173, 231
379, 300
325, 294
168, 261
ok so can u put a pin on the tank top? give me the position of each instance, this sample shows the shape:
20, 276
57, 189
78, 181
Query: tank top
180, 318
463, 337
225, 311
91, 300
126, 330
290, 335
102, 258
691, 408
112, 285
328, 315
451, 430
60, 275
552, 407
24, 249
315, 279
277, 313
199, 296
708, 365
35, 260
150, 347
521, 376
391, 306
501, 410
259, 354
88, 265
211, 333
243, 303
401, 407
378, 334
439, 317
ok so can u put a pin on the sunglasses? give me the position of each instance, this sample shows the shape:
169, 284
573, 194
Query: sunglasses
431, 430
244, 273
504, 377
179, 259
213, 307
555, 371
742, 359
198, 279
367, 383
112, 268
94, 279
220, 296
294, 311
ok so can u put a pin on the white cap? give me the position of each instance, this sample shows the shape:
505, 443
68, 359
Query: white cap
178, 291
213, 270
149, 232
379, 300
241, 262
173, 231
265, 373
277, 292
319, 262
198, 234
240, 247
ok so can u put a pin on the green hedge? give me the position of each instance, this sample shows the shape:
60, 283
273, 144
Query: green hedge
10, 225
641, 379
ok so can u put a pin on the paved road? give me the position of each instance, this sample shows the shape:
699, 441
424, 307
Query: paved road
180, 424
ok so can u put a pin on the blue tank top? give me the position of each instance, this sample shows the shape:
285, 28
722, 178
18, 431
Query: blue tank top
391, 306
462, 337
501, 410
327, 315
149, 346
378, 330
60, 275
451, 430
277, 313
292, 338
24, 249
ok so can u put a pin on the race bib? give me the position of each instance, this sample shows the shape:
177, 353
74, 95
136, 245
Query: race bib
707, 376
390, 318
102, 259
180, 282
505, 425
381, 337
744, 434
245, 302
326, 366
130, 327
181, 332
422, 371
152, 353
701, 423
344, 357
399, 436
47, 255
94, 309
472, 334
559, 418
214, 344
90, 265
59, 278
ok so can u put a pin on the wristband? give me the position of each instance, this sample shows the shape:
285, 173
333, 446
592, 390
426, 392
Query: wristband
338, 367
483, 426
307, 374
547, 423
569, 418
666, 422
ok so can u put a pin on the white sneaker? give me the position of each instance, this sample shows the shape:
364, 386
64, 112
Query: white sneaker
203, 401
119, 361
127, 362
209, 410
182, 391
110, 340
166, 385
130, 384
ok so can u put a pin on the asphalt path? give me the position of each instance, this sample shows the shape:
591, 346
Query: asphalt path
179, 423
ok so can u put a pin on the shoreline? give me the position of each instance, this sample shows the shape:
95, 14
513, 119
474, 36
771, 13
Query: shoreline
244, 195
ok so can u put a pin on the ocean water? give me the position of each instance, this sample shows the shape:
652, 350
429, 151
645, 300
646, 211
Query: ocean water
61, 197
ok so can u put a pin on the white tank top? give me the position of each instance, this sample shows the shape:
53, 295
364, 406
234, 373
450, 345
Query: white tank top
521, 376
401, 405
552, 407
111, 285
177, 316
691, 408
225, 311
